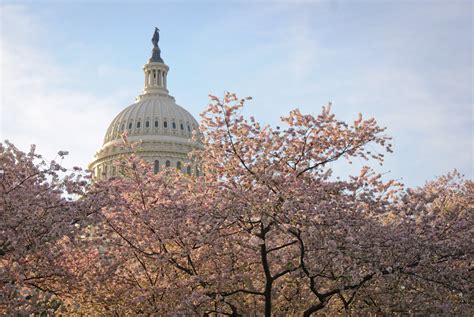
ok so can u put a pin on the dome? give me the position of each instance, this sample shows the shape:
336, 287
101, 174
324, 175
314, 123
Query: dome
162, 129
156, 117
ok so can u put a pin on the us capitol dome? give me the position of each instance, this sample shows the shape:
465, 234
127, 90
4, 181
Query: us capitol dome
162, 128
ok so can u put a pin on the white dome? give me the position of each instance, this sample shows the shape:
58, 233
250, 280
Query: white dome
163, 129
156, 116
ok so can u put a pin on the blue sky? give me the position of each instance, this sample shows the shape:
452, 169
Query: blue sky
69, 67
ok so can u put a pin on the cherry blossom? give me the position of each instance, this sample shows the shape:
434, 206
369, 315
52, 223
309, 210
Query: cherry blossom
37, 213
265, 230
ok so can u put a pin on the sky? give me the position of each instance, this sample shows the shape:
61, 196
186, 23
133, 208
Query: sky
67, 68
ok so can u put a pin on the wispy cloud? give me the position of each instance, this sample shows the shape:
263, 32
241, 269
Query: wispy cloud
35, 106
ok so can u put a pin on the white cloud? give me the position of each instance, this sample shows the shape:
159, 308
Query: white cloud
301, 61
431, 128
39, 103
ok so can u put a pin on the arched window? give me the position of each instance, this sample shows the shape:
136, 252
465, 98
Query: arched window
178, 165
165, 124
182, 126
130, 126
156, 167
174, 125
189, 128
123, 127
138, 125
188, 170
156, 123
168, 163
197, 172
147, 124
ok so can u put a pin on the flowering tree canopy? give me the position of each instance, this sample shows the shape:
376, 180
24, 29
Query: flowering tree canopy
266, 230
35, 220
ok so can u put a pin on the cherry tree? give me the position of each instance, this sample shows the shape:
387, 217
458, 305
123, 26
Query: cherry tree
269, 230
417, 262
35, 219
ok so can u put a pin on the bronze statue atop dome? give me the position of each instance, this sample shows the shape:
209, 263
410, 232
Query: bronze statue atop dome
155, 56
156, 37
